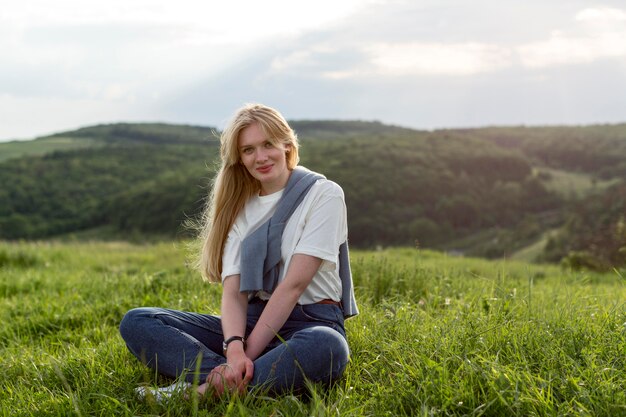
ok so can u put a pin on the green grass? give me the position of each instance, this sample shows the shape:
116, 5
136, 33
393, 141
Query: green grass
436, 336
575, 185
532, 252
16, 149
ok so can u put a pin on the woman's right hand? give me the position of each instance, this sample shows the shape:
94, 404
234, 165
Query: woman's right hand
234, 375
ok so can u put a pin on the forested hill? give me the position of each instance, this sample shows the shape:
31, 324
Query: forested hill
487, 192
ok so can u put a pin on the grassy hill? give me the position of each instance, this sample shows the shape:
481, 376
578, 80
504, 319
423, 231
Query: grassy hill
16, 149
106, 135
573, 185
485, 192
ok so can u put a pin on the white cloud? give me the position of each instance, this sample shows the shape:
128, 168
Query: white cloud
292, 60
69, 62
86, 47
559, 49
314, 58
393, 59
601, 34
416, 58
594, 33
233, 21
603, 14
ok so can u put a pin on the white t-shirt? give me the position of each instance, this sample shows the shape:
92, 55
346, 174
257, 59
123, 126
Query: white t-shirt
317, 228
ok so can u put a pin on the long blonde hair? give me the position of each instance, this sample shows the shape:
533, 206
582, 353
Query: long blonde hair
233, 185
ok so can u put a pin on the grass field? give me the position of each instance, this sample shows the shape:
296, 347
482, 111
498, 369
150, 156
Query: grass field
574, 184
437, 336
16, 149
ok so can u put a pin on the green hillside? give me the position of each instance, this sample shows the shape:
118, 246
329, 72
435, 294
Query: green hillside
16, 149
105, 135
486, 192
599, 150
572, 184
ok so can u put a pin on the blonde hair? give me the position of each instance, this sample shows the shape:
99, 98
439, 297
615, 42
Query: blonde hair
233, 185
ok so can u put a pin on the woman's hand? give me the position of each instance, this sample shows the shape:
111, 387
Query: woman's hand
234, 375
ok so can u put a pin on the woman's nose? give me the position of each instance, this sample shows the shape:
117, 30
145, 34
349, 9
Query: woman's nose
261, 155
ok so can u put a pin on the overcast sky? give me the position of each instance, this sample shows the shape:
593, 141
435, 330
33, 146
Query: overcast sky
424, 64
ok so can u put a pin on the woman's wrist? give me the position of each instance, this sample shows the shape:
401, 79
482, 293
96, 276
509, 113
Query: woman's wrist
233, 340
235, 349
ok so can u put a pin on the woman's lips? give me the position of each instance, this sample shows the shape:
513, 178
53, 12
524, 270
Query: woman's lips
264, 169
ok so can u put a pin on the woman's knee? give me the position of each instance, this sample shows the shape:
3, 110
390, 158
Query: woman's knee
133, 321
329, 346
332, 338
340, 352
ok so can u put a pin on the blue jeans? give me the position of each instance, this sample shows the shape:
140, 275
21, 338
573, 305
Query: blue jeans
311, 345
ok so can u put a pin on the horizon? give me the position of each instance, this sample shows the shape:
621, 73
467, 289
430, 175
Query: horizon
46, 135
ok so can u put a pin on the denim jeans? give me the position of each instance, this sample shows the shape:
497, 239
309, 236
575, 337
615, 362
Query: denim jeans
310, 345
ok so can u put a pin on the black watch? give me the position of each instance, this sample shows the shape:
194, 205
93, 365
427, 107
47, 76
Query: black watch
232, 339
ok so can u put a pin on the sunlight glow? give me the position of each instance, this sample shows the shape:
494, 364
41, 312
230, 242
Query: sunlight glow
438, 58
198, 21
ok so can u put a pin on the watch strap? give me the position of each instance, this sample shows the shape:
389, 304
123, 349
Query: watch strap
233, 339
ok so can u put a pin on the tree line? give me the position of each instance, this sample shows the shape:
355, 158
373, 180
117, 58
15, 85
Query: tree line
403, 187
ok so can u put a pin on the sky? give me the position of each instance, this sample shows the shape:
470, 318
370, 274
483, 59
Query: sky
423, 64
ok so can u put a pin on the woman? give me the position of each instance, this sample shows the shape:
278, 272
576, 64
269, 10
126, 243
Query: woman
275, 235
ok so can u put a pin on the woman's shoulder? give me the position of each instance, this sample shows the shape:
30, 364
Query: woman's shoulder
326, 186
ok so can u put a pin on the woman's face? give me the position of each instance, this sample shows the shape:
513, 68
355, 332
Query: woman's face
264, 160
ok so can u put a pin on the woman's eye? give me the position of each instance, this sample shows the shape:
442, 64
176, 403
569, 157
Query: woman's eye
247, 151
268, 145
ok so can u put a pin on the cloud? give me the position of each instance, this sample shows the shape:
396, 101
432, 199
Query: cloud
233, 21
601, 14
121, 50
561, 49
602, 35
419, 63
334, 59
589, 35
455, 59
342, 60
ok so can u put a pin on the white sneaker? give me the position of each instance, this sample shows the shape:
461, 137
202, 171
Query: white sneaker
162, 394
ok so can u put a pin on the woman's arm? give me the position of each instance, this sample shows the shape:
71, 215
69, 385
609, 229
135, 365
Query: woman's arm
239, 368
301, 270
234, 310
